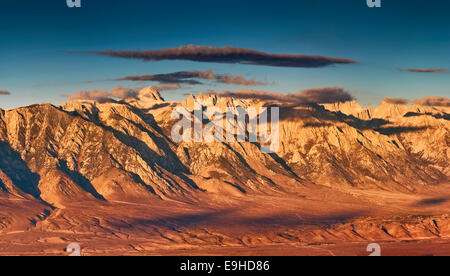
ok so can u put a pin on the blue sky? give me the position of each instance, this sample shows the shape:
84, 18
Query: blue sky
36, 38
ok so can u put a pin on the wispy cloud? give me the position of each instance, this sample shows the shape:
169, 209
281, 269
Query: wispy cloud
238, 80
103, 95
184, 77
192, 78
433, 101
5, 92
412, 70
426, 101
168, 86
119, 92
315, 95
228, 55
396, 101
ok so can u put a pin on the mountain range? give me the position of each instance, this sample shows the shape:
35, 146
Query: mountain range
86, 170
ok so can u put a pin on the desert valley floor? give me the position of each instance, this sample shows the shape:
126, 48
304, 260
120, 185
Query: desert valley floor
315, 222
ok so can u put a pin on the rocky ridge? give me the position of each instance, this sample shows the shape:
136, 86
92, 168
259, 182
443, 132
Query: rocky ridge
121, 150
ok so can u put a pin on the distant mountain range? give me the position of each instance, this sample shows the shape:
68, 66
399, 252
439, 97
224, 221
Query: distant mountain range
123, 152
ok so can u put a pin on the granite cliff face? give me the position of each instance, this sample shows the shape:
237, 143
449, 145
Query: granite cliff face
122, 151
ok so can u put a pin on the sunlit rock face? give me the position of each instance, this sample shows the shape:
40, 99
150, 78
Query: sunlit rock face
123, 150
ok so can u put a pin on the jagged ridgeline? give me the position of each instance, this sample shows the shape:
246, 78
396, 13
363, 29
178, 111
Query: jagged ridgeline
86, 150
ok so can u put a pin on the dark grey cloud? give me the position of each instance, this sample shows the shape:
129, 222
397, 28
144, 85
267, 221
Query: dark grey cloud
184, 77
5, 92
325, 95
228, 55
192, 78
